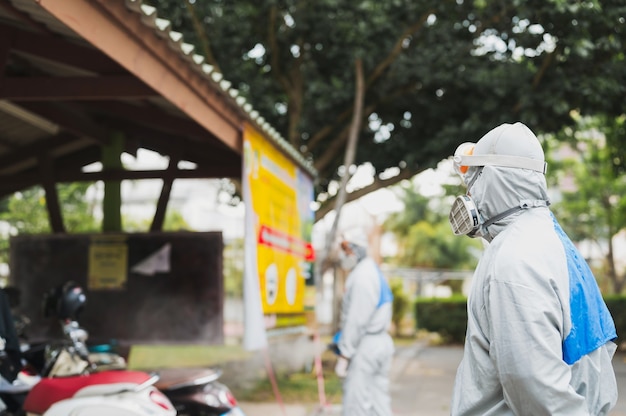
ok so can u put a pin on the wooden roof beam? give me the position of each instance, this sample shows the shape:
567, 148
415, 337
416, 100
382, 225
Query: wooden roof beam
26, 156
120, 33
73, 88
74, 174
168, 143
11, 184
5, 47
144, 115
215, 171
69, 119
54, 49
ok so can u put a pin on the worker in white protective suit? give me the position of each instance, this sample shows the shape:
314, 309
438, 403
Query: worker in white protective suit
539, 336
364, 345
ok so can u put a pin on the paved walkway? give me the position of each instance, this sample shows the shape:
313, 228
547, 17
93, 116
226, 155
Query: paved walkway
411, 364
273, 409
421, 385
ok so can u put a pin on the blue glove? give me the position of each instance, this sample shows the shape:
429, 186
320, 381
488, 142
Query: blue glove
334, 345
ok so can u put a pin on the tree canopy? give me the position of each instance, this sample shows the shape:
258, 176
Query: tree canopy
437, 73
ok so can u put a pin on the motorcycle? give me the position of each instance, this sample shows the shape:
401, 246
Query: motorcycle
123, 393
127, 393
192, 392
120, 393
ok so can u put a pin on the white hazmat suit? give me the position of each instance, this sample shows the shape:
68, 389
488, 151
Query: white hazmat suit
539, 335
365, 319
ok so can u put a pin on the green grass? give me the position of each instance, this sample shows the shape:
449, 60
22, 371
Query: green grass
297, 387
293, 387
144, 357
302, 387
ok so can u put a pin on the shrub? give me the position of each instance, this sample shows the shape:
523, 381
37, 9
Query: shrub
617, 307
446, 316
401, 303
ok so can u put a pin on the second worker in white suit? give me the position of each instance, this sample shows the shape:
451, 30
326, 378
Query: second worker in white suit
365, 346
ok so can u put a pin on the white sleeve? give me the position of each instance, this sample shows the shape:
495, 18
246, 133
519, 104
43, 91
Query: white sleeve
358, 307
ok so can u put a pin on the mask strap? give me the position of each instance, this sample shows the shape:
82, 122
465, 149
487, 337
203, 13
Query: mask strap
524, 204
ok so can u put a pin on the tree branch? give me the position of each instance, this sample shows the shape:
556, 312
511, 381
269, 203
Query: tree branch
275, 51
331, 150
198, 28
292, 83
378, 183
375, 75
336, 144
326, 130
397, 48
544, 67
296, 98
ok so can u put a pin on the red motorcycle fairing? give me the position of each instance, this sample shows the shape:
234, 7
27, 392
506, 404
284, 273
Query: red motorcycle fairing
51, 390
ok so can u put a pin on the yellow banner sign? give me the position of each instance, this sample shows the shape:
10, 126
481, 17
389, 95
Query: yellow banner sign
280, 196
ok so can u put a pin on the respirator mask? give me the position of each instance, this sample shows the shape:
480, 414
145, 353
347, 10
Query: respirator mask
347, 261
465, 217
350, 255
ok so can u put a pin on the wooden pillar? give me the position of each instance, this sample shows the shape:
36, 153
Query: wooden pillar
53, 205
112, 201
161, 208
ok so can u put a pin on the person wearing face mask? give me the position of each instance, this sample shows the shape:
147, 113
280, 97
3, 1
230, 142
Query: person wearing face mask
540, 338
365, 348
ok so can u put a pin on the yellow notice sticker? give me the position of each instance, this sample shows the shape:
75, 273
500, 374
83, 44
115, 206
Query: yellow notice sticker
108, 262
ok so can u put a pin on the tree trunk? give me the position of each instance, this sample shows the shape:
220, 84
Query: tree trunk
355, 128
353, 137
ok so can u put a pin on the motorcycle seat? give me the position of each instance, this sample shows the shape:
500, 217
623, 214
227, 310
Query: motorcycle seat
51, 390
180, 378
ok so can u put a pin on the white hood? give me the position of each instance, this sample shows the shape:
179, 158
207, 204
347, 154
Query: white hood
496, 189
